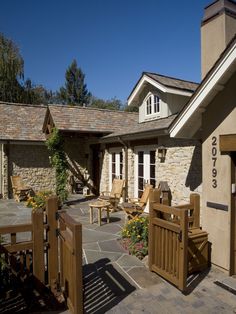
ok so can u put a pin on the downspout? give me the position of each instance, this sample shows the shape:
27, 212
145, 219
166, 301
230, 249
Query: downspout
126, 166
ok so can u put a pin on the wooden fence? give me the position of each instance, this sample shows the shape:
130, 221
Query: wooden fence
53, 254
169, 240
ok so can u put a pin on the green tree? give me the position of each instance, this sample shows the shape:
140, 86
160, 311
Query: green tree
131, 108
75, 91
37, 94
11, 71
113, 104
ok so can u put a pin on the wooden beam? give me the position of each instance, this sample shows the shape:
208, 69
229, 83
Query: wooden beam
228, 143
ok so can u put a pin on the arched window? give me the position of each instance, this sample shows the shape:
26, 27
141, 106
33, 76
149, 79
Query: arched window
152, 104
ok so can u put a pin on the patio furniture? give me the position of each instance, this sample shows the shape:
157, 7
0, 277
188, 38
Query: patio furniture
115, 194
135, 207
100, 206
20, 190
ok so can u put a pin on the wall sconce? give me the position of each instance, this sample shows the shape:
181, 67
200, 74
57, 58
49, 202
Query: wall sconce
161, 153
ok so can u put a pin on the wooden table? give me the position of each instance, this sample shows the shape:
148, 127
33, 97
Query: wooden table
99, 205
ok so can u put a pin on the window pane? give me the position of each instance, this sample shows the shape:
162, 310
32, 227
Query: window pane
113, 157
140, 157
156, 104
140, 193
140, 184
152, 157
121, 157
121, 170
113, 168
113, 176
140, 170
152, 171
153, 182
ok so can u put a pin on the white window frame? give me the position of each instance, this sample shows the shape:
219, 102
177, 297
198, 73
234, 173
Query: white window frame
146, 162
117, 152
150, 105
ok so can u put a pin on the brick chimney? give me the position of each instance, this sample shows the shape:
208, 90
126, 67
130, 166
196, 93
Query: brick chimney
217, 29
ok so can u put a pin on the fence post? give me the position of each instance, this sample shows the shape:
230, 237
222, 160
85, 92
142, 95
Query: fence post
38, 244
51, 210
195, 203
183, 263
154, 196
77, 268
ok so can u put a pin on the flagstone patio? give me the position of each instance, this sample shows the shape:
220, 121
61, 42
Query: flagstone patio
115, 282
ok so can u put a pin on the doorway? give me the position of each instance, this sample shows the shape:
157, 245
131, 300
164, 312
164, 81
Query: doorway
115, 165
145, 169
95, 168
233, 216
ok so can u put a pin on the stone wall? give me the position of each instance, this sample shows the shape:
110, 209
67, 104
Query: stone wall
182, 168
104, 182
31, 162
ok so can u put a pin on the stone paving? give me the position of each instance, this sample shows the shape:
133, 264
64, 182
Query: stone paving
115, 282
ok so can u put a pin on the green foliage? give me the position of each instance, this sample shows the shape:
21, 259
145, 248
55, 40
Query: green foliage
38, 200
113, 104
136, 231
36, 94
55, 145
11, 71
12, 85
75, 91
131, 108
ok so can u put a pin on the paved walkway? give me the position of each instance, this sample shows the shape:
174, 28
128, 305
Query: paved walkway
116, 282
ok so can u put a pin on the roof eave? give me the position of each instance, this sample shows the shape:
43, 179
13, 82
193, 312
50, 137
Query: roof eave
163, 88
136, 136
212, 84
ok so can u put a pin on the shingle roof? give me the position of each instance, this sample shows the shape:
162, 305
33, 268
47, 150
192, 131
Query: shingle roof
80, 119
173, 82
144, 127
21, 122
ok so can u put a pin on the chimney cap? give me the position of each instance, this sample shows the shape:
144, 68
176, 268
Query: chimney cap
219, 7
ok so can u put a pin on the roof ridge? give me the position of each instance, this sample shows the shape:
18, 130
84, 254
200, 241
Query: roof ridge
171, 77
91, 108
21, 104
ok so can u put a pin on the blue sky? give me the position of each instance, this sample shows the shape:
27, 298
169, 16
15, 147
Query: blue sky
113, 41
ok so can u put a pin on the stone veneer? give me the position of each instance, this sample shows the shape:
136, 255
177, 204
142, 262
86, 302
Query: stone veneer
31, 162
182, 168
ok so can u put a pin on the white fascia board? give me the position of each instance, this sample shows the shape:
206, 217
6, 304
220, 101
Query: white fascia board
204, 92
162, 88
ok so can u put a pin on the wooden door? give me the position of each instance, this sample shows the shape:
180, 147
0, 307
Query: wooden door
233, 217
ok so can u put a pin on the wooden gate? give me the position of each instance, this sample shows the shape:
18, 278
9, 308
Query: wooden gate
168, 239
53, 254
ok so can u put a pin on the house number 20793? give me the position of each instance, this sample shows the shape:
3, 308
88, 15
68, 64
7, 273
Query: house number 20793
214, 159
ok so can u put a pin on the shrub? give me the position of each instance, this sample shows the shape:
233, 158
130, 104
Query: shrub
38, 200
136, 234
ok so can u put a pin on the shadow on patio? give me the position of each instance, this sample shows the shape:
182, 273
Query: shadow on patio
104, 287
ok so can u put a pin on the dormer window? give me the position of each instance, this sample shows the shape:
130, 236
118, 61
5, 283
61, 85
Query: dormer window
152, 104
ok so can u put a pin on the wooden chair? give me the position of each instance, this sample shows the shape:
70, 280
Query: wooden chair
115, 194
135, 207
20, 190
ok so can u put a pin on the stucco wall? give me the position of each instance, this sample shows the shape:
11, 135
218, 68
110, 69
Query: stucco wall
219, 119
